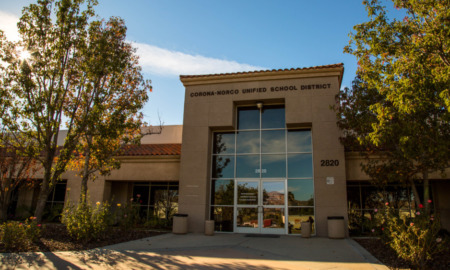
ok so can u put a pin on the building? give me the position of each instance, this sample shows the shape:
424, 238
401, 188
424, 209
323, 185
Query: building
258, 152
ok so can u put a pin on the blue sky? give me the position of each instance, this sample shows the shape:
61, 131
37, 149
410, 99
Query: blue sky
179, 37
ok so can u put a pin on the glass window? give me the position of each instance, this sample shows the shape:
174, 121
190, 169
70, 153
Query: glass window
273, 117
223, 192
301, 192
273, 192
223, 167
248, 118
300, 166
223, 218
273, 166
247, 192
247, 166
247, 142
223, 143
299, 141
273, 141
297, 216
141, 194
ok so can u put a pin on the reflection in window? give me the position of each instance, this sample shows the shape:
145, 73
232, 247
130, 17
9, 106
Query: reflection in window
273, 166
273, 117
273, 218
363, 199
273, 141
299, 141
223, 167
223, 218
247, 217
248, 118
247, 193
223, 192
262, 148
247, 142
300, 166
156, 199
223, 143
247, 166
301, 192
297, 216
273, 193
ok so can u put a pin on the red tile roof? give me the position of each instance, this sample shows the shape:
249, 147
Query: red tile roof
263, 71
152, 150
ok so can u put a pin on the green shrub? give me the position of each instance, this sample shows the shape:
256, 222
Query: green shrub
158, 223
18, 236
415, 239
127, 215
84, 222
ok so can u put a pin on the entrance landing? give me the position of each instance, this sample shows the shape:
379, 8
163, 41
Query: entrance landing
221, 251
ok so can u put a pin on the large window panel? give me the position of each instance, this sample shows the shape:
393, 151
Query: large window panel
224, 143
301, 192
248, 118
300, 166
273, 117
222, 192
247, 142
223, 218
299, 141
273, 141
223, 167
247, 166
273, 166
297, 216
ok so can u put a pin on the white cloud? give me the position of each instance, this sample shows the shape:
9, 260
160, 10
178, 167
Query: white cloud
154, 59
165, 62
8, 23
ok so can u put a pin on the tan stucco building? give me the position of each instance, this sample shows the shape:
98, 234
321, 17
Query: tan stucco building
258, 152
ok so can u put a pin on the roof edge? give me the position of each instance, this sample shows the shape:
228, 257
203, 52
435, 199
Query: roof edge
325, 70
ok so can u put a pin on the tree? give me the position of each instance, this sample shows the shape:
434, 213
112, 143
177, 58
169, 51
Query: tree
16, 169
398, 108
112, 105
71, 78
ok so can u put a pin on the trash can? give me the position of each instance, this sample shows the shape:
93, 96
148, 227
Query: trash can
336, 227
179, 224
306, 229
209, 227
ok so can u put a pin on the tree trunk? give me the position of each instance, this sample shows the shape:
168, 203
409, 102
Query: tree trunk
426, 190
3, 211
415, 192
84, 180
43, 194
41, 202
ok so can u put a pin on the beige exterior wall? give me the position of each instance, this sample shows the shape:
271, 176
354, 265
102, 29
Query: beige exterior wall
304, 108
117, 186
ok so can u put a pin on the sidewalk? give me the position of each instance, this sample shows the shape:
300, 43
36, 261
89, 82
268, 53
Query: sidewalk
197, 251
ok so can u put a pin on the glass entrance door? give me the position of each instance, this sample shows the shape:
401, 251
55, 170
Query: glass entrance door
260, 206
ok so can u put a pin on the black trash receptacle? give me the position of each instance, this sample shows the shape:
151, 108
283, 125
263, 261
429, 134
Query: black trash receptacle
336, 227
180, 224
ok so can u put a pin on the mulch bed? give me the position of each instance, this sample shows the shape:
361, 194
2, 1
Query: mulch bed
387, 255
54, 237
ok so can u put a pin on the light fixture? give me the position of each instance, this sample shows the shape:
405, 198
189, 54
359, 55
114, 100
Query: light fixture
259, 105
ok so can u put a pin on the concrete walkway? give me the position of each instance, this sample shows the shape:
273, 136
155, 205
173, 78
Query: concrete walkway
197, 251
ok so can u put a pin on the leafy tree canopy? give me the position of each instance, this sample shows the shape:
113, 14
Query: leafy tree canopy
82, 76
399, 105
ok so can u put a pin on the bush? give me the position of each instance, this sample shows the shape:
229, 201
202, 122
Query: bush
158, 223
18, 236
415, 239
84, 222
128, 215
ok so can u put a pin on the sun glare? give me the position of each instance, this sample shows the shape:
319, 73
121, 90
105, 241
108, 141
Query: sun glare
24, 55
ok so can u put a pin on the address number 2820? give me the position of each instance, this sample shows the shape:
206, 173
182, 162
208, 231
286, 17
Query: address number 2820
329, 162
